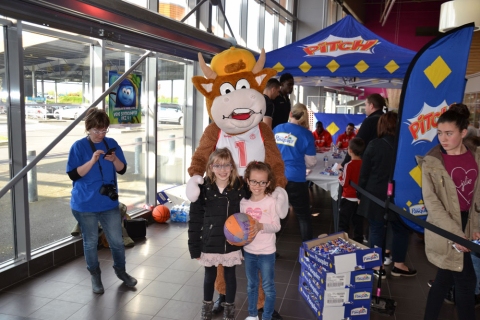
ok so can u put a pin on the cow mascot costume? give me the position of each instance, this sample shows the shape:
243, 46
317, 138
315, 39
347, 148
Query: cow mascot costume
233, 87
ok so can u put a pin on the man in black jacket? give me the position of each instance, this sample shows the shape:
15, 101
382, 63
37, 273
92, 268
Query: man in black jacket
282, 106
271, 92
368, 130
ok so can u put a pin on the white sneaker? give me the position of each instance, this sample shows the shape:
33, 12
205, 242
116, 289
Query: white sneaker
251, 318
388, 260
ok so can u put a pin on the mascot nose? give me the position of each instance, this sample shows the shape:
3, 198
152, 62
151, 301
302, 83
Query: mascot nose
253, 97
226, 99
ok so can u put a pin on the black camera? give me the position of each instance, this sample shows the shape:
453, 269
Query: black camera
110, 191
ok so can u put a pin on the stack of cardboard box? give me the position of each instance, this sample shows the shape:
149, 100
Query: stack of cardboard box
338, 286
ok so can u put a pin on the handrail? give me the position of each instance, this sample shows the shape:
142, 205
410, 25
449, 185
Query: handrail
29, 166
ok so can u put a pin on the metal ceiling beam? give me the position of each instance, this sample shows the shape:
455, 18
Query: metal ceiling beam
386, 12
117, 21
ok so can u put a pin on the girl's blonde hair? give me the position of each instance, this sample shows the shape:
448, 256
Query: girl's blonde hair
300, 113
262, 166
222, 155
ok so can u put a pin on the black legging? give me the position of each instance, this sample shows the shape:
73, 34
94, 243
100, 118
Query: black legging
230, 282
464, 281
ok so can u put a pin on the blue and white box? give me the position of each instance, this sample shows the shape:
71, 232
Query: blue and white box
330, 280
337, 297
349, 311
363, 258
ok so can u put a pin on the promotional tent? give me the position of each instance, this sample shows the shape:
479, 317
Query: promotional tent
345, 53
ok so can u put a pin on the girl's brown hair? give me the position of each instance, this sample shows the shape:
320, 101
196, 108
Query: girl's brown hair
96, 119
262, 166
223, 155
458, 114
387, 124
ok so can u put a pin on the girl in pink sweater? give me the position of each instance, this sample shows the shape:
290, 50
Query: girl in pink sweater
259, 255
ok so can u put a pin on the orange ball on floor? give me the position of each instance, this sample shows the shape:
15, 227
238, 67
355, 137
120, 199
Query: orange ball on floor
161, 214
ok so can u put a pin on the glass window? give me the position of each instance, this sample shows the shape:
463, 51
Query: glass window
282, 33
56, 73
7, 251
217, 29
472, 101
175, 9
287, 4
253, 25
232, 9
269, 29
171, 88
140, 3
128, 130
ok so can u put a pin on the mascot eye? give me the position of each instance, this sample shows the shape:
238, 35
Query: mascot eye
128, 91
226, 88
124, 90
243, 84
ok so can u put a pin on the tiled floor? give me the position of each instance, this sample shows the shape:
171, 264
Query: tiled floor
170, 283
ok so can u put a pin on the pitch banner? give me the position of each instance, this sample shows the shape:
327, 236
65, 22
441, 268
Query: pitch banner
434, 80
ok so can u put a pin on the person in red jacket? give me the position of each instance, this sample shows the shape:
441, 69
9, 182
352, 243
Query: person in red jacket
323, 138
344, 138
349, 200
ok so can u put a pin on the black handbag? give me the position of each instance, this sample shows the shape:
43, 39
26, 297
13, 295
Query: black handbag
136, 228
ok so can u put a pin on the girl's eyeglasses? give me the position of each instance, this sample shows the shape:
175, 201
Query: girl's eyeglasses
227, 166
100, 131
257, 183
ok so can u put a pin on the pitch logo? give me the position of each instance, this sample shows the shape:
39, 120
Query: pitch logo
334, 46
423, 127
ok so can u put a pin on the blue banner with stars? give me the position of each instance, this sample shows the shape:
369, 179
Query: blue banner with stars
336, 123
434, 80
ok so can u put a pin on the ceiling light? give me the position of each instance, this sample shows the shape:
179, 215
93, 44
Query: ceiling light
459, 12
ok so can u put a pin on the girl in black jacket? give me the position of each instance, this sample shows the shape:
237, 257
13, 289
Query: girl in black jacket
219, 198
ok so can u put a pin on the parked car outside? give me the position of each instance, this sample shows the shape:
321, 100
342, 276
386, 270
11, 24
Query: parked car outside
34, 110
68, 112
169, 112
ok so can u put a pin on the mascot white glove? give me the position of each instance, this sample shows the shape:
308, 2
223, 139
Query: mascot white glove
282, 206
193, 190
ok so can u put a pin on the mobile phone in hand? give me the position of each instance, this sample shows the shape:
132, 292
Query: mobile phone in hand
109, 152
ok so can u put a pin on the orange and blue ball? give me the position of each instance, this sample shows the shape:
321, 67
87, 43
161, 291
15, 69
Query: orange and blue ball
237, 229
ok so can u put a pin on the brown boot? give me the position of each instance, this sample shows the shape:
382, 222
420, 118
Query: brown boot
207, 310
229, 311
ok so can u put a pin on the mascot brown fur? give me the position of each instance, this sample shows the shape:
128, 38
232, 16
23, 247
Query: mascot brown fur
233, 89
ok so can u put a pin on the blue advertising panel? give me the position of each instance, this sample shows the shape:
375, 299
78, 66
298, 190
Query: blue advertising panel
435, 79
337, 123
124, 102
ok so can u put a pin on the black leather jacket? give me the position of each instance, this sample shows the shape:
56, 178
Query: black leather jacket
207, 218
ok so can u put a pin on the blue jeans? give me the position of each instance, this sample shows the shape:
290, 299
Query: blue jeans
476, 267
112, 226
265, 263
399, 233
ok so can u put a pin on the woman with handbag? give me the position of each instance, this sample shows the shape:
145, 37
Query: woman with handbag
93, 163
